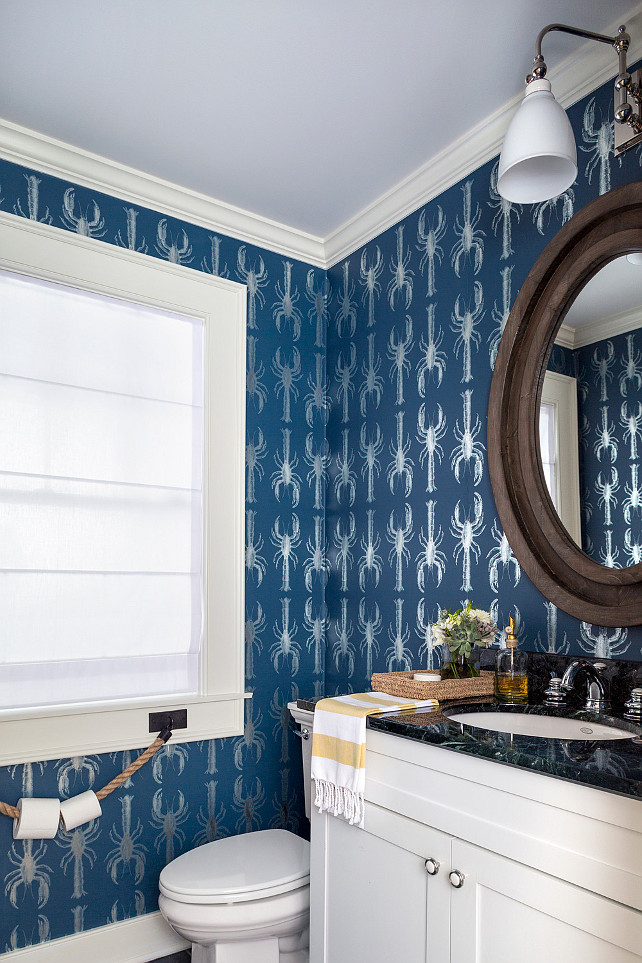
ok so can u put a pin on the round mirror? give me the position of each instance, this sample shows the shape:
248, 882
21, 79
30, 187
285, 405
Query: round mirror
570, 321
590, 416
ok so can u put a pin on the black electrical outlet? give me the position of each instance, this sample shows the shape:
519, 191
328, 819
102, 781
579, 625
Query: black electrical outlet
176, 719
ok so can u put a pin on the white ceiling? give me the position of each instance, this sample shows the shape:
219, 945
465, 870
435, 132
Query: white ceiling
614, 291
301, 111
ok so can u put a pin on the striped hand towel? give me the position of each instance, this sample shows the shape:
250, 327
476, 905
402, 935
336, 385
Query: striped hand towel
339, 749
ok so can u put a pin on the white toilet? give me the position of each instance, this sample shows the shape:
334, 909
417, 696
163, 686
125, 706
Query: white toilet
245, 899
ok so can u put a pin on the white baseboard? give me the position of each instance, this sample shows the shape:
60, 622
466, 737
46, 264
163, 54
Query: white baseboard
136, 940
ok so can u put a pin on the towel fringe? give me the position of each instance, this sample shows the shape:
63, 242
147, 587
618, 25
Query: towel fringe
339, 801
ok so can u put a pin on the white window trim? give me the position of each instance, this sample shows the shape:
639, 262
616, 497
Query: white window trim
42, 251
560, 391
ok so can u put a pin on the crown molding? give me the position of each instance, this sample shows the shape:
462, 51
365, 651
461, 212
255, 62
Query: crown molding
591, 65
565, 336
610, 327
39, 152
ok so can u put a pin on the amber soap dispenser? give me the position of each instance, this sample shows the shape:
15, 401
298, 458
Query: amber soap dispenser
511, 676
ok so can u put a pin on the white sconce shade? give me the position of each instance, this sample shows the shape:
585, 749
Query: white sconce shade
539, 158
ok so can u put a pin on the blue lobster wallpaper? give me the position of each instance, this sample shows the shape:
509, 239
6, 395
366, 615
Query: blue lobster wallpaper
609, 388
416, 317
368, 508
609, 405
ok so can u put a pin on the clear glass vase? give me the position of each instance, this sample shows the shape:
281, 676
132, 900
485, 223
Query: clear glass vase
459, 666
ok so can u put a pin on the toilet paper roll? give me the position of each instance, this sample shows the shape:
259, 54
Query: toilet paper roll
38, 819
79, 809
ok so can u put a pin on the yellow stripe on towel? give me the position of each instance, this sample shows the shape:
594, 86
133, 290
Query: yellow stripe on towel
391, 703
339, 749
347, 708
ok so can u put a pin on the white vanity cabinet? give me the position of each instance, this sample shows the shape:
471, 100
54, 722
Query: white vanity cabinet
550, 870
506, 912
379, 903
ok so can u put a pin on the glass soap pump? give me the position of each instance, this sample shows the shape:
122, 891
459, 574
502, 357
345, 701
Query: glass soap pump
511, 677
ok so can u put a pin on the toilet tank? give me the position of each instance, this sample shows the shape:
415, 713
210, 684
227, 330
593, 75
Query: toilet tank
304, 717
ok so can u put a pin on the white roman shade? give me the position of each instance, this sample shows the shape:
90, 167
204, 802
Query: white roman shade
559, 448
547, 447
101, 529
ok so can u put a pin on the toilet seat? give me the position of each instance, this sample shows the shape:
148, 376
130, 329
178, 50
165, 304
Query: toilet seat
239, 869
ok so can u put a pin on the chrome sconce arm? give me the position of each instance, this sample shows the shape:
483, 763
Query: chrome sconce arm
539, 157
539, 67
625, 87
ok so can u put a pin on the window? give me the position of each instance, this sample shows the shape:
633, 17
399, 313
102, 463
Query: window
559, 449
548, 431
121, 549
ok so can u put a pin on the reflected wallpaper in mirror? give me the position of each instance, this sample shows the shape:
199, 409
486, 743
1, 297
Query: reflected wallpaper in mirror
591, 455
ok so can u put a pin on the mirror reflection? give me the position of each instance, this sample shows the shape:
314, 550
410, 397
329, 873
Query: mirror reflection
591, 416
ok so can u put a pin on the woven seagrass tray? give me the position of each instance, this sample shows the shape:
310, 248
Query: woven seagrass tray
403, 684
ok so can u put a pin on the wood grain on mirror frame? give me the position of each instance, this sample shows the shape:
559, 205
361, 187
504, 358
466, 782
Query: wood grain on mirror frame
607, 228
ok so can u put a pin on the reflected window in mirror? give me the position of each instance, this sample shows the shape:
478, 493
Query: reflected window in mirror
548, 448
599, 349
558, 434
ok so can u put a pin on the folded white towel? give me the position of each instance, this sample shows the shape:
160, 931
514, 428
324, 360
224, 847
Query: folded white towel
339, 749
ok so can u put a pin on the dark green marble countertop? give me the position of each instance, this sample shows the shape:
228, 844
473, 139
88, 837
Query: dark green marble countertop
610, 765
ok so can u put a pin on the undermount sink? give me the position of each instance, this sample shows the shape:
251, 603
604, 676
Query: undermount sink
542, 726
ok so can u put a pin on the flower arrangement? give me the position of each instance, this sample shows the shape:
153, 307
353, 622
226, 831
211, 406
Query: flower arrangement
460, 631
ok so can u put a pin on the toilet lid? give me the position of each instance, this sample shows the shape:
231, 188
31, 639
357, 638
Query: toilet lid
250, 866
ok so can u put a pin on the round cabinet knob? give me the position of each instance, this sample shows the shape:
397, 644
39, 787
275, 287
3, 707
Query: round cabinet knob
432, 866
456, 879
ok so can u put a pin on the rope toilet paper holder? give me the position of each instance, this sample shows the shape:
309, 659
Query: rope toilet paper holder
40, 818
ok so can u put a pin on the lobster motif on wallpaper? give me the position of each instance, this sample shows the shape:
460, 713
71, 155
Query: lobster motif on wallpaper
368, 500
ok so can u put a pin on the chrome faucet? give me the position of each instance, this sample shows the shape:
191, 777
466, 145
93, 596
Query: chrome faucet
596, 692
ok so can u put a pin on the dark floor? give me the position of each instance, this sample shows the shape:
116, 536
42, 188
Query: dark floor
183, 957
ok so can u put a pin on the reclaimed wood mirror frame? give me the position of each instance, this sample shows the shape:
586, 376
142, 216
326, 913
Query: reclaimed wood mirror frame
608, 227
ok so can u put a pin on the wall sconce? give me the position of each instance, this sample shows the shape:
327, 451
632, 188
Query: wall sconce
539, 158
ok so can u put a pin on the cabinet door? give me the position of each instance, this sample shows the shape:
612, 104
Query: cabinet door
506, 912
376, 899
